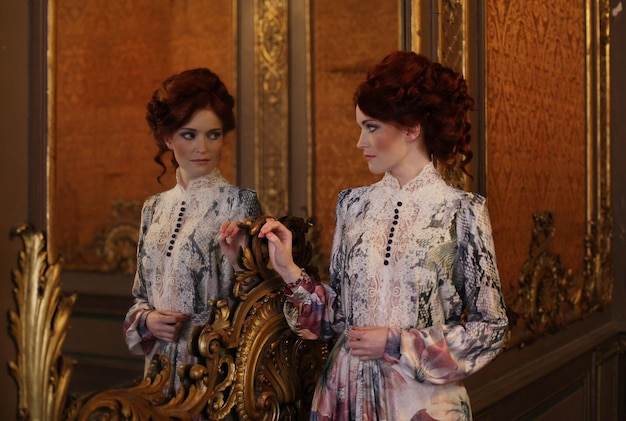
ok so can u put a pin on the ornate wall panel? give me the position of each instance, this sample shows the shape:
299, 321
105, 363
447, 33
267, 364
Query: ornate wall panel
536, 125
346, 42
547, 159
107, 58
271, 138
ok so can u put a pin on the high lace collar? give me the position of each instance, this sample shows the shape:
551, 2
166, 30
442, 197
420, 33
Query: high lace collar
428, 175
199, 183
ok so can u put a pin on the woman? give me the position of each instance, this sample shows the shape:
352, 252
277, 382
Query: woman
179, 262
415, 303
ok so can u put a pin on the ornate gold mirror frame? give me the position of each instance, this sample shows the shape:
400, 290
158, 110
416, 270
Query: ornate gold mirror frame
253, 365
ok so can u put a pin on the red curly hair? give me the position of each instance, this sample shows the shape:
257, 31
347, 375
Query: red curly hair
407, 89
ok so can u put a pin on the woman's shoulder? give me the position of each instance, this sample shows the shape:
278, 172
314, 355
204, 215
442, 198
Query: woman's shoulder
242, 193
353, 194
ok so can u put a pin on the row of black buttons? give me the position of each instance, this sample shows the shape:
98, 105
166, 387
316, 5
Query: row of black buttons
177, 229
396, 212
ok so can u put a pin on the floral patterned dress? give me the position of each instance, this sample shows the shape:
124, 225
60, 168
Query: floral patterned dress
420, 260
179, 263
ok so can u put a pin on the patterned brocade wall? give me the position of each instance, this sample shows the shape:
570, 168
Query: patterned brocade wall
536, 127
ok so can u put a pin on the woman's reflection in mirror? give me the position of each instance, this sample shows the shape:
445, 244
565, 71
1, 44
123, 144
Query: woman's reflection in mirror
414, 303
180, 265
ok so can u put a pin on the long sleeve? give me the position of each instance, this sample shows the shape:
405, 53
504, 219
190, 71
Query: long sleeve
471, 336
138, 338
316, 307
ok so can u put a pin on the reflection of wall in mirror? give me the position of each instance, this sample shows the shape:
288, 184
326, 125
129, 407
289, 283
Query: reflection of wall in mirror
343, 51
110, 57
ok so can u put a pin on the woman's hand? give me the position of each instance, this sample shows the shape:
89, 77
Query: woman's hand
367, 342
279, 243
231, 239
165, 325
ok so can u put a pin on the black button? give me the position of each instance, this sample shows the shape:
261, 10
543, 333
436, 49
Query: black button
170, 247
389, 241
386, 262
180, 214
395, 223
399, 203
168, 254
387, 254
396, 211
395, 217
182, 203
388, 248
176, 230
182, 209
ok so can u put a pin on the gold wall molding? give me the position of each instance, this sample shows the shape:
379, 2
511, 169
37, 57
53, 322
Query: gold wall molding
271, 137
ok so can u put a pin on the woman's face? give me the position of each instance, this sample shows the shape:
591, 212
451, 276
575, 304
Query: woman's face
387, 147
197, 145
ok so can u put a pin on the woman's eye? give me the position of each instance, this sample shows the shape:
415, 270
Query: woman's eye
188, 135
371, 128
215, 135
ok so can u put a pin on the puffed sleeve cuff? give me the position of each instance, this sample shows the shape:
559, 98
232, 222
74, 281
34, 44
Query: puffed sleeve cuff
138, 338
304, 285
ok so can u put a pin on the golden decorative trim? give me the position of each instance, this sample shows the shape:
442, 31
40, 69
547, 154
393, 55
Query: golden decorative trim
453, 52
51, 141
598, 268
271, 137
453, 24
251, 361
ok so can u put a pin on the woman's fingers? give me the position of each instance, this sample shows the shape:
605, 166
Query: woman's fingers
166, 325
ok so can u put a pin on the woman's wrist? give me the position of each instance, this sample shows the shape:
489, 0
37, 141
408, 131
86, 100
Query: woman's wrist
292, 274
294, 284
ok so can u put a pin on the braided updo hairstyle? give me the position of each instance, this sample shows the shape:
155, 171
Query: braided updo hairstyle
178, 98
406, 89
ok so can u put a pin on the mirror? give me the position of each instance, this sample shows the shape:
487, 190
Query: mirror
108, 61
105, 61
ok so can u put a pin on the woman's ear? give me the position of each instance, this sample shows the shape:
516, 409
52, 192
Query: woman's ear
414, 133
168, 143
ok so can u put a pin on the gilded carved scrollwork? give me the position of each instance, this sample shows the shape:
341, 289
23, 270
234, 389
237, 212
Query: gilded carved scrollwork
548, 296
251, 365
39, 328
